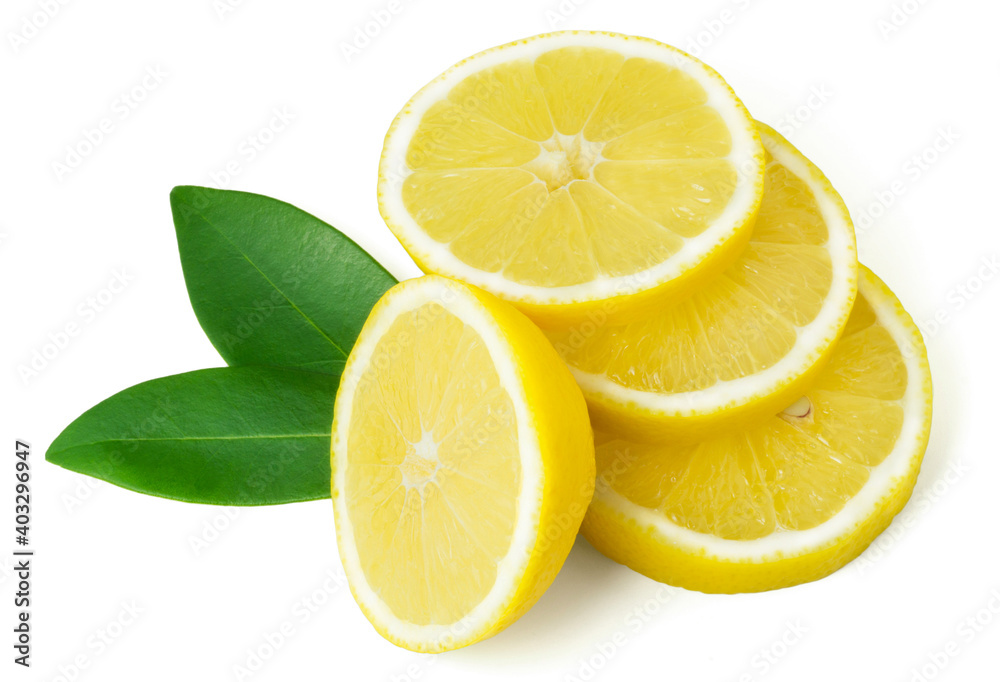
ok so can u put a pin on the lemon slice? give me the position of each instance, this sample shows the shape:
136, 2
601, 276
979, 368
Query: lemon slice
574, 173
462, 465
745, 345
789, 500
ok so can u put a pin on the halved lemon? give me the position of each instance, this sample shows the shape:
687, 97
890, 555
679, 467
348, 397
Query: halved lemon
463, 464
789, 500
574, 173
748, 342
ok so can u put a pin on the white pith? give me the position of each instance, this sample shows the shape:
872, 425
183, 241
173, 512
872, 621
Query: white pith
746, 157
458, 301
811, 340
882, 479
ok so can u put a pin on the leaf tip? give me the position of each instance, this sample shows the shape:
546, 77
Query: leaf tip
54, 454
185, 194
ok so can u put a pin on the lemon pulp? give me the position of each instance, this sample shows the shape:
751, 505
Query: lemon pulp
791, 498
570, 169
742, 346
421, 496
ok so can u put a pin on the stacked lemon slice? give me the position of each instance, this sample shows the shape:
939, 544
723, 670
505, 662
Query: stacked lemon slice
760, 410
793, 496
745, 344
574, 174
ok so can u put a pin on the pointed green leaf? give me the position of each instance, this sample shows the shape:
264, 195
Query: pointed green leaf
270, 283
230, 436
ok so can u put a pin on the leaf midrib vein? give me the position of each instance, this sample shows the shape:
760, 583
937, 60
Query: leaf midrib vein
193, 438
268, 280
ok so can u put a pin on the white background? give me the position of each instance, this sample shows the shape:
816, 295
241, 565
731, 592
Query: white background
887, 96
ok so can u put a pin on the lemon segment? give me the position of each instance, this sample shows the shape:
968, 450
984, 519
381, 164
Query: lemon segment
744, 345
792, 498
574, 172
462, 464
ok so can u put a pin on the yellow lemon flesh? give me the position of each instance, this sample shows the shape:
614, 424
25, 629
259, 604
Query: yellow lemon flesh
747, 343
462, 462
793, 498
574, 173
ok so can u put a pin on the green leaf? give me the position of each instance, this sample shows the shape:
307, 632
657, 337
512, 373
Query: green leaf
230, 436
271, 284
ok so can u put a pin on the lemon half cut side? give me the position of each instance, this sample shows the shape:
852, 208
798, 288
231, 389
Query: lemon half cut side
462, 461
